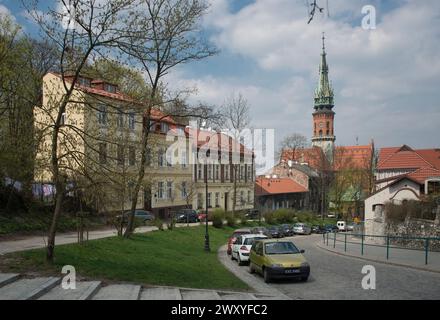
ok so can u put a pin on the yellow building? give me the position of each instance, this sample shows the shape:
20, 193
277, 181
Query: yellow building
99, 150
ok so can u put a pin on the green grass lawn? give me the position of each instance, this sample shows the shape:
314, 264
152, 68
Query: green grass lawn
174, 258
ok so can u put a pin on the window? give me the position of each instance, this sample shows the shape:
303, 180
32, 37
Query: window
109, 88
199, 172
152, 125
242, 197
217, 199
169, 189
320, 133
131, 156
85, 82
131, 120
160, 190
249, 173
209, 200
183, 160
169, 157
241, 168
102, 115
120, 155
63, 119
103, 153
120, 119
217, 172
164, 127
161, 159
249, 197
209, 172
184, 192
199, 201
226, 172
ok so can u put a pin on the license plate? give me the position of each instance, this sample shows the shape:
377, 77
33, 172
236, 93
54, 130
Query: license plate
292, 271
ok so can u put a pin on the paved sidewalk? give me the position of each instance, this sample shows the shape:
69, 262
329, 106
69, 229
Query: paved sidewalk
36, 242
397, 256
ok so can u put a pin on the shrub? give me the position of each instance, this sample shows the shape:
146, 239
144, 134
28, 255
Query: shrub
158, 223
217, 218
269, 218
284, 216
231, 220
171, 224
243, 219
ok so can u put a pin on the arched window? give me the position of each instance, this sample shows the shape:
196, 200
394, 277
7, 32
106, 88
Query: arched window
320, 133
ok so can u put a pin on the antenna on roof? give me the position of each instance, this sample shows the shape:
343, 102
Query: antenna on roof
357, 140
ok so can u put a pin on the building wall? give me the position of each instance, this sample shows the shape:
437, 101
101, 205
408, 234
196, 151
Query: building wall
374, 205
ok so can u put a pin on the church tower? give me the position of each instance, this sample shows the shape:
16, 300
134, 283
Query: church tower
323, 116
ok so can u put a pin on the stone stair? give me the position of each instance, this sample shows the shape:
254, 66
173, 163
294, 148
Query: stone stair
19, 287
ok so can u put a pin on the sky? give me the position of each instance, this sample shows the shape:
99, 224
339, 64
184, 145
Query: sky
386, 80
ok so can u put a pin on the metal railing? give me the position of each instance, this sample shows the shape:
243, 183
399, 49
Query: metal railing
425, 244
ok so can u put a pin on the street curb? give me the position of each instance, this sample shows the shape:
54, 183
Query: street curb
377, 261
41, 290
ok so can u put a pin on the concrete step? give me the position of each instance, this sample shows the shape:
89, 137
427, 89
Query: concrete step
28, 289
7, 278
200, 295
161, 294
84, 290
118, 292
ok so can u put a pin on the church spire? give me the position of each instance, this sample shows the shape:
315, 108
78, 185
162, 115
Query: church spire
324, 97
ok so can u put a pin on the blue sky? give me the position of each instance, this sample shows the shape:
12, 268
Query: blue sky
385, 80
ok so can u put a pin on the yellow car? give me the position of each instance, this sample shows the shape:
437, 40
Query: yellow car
278, 259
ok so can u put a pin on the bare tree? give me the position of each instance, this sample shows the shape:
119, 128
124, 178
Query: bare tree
166, 35
291, 143
236, 114
81, 30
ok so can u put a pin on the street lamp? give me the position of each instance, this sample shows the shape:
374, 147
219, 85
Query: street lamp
207, 249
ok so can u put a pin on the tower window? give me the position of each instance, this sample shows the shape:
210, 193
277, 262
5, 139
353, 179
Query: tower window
320, 133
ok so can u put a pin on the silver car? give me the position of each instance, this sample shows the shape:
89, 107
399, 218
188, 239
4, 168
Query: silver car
301, 228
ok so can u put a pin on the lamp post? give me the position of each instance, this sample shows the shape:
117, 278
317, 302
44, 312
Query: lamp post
207, 249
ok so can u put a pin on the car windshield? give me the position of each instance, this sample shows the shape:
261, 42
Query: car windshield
250, 241
239, 233
281, 248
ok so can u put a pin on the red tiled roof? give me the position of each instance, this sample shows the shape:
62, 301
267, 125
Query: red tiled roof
265, 186
406, 158
420, 175
353, 157
314, 156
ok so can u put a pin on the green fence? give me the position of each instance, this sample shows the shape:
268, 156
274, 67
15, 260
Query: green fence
389, 242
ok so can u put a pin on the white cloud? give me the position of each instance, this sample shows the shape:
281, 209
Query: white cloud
376, 73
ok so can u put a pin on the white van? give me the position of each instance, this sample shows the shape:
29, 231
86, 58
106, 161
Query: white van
341, 225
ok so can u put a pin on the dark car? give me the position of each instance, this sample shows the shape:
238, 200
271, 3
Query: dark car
141, 215
274, 232
187, 216
259, 230
318, 229
287, 230
331, 228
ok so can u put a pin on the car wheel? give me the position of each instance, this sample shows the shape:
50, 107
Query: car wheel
304, 279
232, 256
240, 263
266, 276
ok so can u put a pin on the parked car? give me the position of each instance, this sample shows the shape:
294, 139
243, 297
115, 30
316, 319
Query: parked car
140, 215
331, 228
349, 227
187, 216
318, 229
234, 237
287, 230
331, 215
278, 259
201, 215
242, 246
259, 230
274, 232
301, 228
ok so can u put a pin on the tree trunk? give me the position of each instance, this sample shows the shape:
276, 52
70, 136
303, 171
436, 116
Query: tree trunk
234, 202
53, 227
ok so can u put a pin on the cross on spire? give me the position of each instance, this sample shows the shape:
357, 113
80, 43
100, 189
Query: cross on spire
323, 41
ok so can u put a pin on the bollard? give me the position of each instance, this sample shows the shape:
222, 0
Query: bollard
345, 243
334, 240
388, 247
426, 250
362, 245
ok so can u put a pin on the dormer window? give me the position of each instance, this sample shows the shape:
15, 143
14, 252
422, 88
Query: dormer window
109, 88
85, 82
164, 127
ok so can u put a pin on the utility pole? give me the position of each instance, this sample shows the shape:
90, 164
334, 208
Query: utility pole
207, 248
